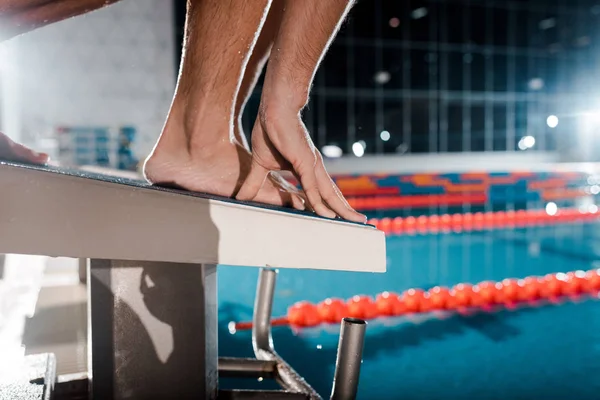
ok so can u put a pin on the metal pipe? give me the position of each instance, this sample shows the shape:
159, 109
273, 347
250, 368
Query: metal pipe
349, 358
262, 341
246, 368
260, 395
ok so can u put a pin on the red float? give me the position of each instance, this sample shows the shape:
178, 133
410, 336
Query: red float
462, 295
489, 292
397, 225
575, 283
303, 314
508, 292
410, 223
531, 288
387, 303
592, 281
412, 300
385, 225
457, 219
332, 310
553, 285
362, 307
439, 298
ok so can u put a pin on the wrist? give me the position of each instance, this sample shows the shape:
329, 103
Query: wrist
283, 92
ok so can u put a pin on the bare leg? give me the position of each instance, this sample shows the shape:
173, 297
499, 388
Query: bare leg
14, 6
197, 149
21, 16
257, 61
280, 140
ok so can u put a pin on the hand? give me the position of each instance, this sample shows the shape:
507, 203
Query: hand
280, 141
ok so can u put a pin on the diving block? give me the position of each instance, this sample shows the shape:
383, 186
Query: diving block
57, 212
151, 262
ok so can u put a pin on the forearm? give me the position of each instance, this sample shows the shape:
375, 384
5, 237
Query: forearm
18, 17
307, 29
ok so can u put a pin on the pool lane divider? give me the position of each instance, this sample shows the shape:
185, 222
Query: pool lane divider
463, 297
417, 201
480, 221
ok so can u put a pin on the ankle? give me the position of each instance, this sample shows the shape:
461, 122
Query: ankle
194, 129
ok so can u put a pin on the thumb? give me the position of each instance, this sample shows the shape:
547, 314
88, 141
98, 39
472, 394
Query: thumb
253, 182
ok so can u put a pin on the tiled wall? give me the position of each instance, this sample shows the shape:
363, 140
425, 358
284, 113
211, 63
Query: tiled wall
110, 68
438, 76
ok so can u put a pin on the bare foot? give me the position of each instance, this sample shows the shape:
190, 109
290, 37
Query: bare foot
218, 169
12, 151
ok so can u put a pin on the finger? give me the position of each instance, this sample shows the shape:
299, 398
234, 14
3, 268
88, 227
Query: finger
289, 187
253, 182
296, 200
285, 197
271, 193
333, 196
279, 180
301, 198
308, 179
302, 194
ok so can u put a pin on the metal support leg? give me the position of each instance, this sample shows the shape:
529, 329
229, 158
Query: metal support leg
262, 340
349, 358
153, 331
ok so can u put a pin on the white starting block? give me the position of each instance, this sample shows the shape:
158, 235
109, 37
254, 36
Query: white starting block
152, 275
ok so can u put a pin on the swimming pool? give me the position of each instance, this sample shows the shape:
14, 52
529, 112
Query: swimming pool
549, 351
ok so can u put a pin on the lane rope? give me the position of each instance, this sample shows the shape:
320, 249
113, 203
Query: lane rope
463, 296
479, 221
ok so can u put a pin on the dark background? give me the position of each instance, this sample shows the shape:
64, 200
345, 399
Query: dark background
453, 75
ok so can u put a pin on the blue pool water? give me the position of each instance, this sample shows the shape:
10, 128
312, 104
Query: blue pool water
548, 352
